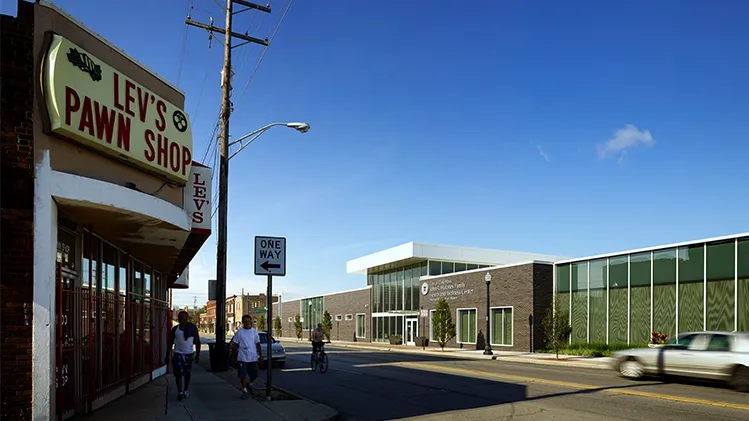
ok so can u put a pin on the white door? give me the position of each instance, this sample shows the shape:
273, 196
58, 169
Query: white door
412, 329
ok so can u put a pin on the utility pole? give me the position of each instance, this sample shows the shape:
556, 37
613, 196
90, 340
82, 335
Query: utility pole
194, 302
220, 361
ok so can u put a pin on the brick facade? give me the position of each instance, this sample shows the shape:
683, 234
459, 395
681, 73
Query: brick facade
343, 303
526, 288
17, 214
348, 303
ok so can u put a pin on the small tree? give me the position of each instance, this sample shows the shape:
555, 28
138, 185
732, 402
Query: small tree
298, 326
442, 324
277, 325
261, 323
557, 329
327, 322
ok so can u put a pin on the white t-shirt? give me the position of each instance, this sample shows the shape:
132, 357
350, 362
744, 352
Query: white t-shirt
246, 340
182, 345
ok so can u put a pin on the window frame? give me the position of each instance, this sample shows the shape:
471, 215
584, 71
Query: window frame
348, 317
364, 327
431, 325
512, 325
338, 317
457, 325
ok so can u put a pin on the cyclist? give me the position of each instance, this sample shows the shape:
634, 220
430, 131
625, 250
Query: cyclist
317, 336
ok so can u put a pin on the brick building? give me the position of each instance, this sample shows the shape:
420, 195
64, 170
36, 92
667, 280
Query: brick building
349, 310
98, 216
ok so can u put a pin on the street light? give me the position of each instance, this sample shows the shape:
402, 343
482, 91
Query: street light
220, 363
309, 316
298, 126
488, 348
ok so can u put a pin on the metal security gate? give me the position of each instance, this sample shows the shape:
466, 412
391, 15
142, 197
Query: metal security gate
111, 315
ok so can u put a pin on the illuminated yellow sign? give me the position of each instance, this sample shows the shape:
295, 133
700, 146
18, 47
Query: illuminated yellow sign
94, 104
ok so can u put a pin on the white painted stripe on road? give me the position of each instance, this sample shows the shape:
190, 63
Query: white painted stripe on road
296, 369
347, 371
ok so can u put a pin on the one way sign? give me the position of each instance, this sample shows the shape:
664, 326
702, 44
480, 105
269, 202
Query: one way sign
270, 256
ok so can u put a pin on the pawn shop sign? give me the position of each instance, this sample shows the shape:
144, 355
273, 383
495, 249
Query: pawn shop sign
270, 256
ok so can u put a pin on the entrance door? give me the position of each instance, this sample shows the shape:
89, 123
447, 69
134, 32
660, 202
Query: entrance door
412, 331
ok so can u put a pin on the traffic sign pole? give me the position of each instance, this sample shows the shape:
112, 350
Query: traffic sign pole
268, 324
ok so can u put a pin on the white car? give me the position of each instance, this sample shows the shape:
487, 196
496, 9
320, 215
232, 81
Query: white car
720, 356
277, 350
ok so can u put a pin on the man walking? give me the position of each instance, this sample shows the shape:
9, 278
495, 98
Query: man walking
246, 353
185, 340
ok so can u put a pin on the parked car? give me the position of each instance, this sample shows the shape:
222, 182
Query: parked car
722, 356
277, 350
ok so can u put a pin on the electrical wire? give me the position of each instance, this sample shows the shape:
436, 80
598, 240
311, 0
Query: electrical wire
260, 60
184, 45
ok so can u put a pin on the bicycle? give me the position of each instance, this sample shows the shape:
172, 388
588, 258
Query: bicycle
319, 358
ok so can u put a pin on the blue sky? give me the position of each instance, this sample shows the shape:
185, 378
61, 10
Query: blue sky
569, 129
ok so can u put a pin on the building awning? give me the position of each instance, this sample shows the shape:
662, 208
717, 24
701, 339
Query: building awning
150, 229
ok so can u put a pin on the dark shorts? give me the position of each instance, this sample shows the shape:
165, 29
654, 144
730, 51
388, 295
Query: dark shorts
316, 345
182, 364
247, 369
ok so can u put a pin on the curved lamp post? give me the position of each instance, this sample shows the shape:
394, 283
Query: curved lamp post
488, 336
298, 126
220, 363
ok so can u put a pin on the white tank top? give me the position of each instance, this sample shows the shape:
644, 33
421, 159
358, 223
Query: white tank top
182, 345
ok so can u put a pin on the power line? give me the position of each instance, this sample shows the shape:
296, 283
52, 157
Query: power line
260, 60
184, 44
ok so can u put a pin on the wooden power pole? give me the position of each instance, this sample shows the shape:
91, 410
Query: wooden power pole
220, 361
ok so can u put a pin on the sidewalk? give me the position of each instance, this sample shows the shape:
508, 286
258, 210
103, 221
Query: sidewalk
212, 397
602, 363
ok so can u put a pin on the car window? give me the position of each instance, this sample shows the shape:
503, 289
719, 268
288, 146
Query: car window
719, 343
699, 343
684, 339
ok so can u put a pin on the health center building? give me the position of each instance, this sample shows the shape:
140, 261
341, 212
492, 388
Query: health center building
103, 208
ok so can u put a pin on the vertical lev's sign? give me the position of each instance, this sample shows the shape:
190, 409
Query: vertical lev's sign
198, 195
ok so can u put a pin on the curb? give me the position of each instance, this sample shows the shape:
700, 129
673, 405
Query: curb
563, 363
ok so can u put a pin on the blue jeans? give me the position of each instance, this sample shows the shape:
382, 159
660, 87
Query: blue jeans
182, 364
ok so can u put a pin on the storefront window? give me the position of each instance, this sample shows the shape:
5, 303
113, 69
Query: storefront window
66, 249
147, 281
109, 269
691, 288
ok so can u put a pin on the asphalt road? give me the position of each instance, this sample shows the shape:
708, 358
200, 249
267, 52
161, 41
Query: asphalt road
372, 385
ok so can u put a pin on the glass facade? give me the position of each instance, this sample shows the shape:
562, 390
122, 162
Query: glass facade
622, 299
311, 310
396, 290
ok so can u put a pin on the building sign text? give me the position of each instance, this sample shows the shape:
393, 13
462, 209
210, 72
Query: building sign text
447, 289
94, 104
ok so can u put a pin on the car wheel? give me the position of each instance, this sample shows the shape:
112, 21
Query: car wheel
740, 379
631, 369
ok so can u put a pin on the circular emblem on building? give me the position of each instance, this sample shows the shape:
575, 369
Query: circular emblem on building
424, 288
180, 121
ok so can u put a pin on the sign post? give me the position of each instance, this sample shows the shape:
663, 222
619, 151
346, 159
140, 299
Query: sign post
270, 260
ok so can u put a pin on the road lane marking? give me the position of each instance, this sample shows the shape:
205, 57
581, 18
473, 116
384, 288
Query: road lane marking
296, 369
683, 399
347, 371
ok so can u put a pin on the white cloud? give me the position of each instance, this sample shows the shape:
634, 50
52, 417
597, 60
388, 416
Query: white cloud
543, 153
624, 139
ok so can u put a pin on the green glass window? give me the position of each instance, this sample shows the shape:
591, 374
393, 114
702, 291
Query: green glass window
435, 268
501, 325
721, 285
743, 267
598, 282
361, 325
460, 267
639, 298
467, 326
691, 288
664, 291
579, 317
448, 267
618, 274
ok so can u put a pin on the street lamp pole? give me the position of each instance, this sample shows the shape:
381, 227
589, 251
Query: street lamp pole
488, 348
222, 361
